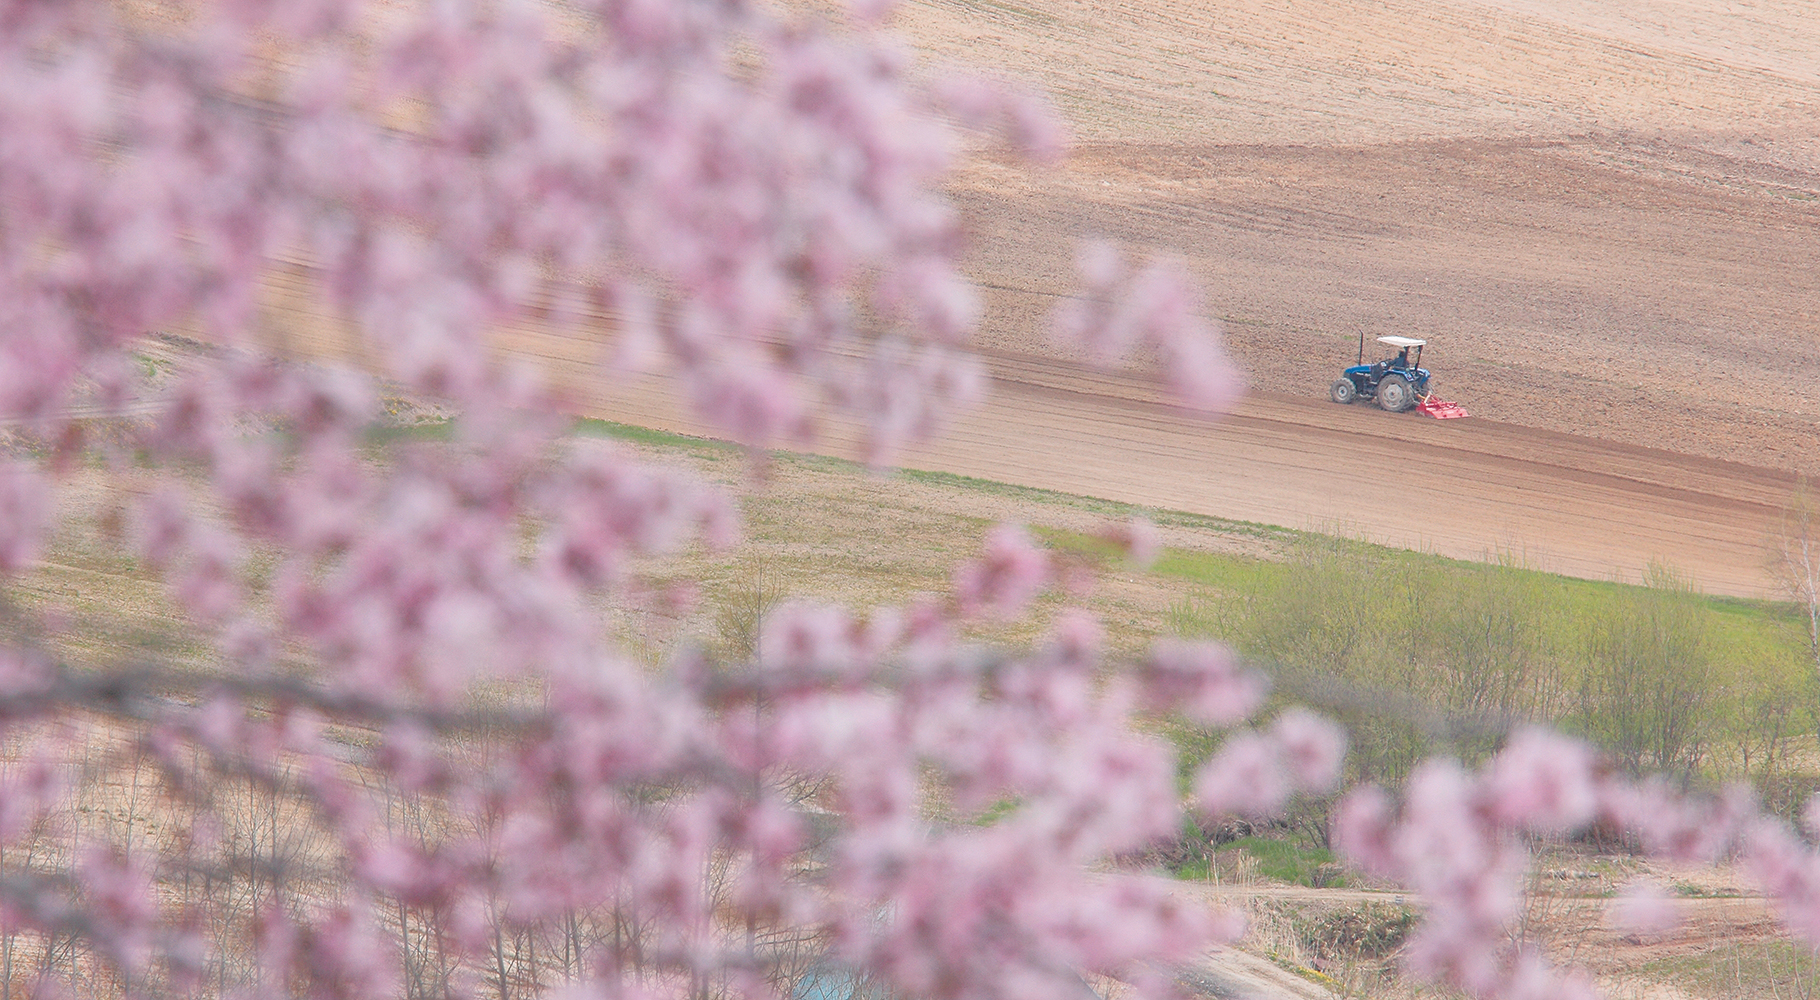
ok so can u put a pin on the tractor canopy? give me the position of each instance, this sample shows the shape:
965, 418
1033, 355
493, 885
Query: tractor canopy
1404, 346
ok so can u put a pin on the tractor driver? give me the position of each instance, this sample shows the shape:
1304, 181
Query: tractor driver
1402, 360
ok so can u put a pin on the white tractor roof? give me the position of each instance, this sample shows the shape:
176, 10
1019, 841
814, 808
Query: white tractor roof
1401, 341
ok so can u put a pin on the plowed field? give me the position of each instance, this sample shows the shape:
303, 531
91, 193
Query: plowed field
1604, 216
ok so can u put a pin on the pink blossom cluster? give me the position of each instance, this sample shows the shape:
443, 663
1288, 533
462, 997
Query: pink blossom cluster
1254, 774
747, 195
1157, 310
750, 195
1004, 579
1458, 841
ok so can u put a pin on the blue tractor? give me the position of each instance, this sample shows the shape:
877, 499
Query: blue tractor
1396, 383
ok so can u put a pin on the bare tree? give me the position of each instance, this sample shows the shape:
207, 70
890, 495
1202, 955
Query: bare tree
1797, 559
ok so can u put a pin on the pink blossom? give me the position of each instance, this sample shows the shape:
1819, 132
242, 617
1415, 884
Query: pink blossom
1683, 828
1363, 828
1026, 120
1139, 539
248, 644
1788, 873
348, 948
28, 789
220, 723
24, 672
1543, 781
1313, 749
907, 394
1075, 640
208, 584
1245, 778
121, 903
934, 297
409, 754
1644, 908
24, 515
1203, 679
1161, 310
1012, 570
163, 526
752, 200
752, 401
1199, 372
811, 638
1532, 978
1193, 362
1120, 795
1093, 322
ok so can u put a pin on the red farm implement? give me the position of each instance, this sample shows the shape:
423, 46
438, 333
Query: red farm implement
1441, 409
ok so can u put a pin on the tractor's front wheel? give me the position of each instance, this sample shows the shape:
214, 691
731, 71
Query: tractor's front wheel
1394, 394
1344, 391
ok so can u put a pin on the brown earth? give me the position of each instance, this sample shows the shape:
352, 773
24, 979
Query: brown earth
1571, 928
1474, 489
1603, 216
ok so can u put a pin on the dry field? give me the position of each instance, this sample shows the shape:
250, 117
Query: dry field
1603, 215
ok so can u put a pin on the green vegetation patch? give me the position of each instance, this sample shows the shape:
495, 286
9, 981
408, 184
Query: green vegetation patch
592, 427
1081, 545
1098, 505
1299, 970
1419, 655
439, 429
1689, 890
1286, 861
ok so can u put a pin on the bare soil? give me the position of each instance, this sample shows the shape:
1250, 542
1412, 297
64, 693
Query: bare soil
1603, 216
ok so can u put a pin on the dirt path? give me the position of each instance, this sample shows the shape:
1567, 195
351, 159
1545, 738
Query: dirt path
1231, 973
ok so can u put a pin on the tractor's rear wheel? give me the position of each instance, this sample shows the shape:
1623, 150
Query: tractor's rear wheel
1344, 391
1394, 394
